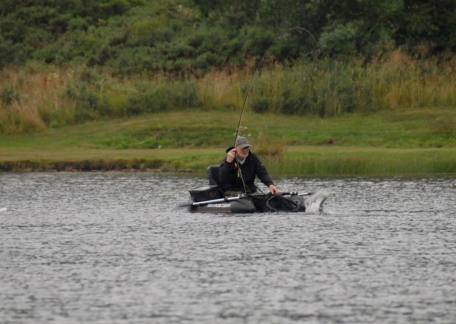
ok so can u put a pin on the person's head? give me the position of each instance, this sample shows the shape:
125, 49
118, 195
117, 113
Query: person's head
242, 147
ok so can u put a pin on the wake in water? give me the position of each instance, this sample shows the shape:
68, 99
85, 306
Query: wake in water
314, 203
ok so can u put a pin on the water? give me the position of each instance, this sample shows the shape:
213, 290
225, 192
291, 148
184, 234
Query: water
112, 248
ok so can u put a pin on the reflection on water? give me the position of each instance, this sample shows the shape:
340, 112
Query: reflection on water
111, 247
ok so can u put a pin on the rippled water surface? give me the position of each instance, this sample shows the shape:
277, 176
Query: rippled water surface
113, 248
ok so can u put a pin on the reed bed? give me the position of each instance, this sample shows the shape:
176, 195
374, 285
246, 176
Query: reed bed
34, 98
30, 99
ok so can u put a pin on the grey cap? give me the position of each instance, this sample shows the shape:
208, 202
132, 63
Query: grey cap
242, 142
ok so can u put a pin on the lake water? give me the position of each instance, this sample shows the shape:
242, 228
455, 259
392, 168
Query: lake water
113, 248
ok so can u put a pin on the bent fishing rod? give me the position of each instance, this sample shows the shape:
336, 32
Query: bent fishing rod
257, 68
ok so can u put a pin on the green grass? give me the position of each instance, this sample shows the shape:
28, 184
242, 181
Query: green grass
431, 128
418, 142
297, 161
373, 162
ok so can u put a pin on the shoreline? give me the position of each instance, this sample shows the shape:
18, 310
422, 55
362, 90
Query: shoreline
299, 161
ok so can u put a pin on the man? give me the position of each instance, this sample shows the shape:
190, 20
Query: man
240, 160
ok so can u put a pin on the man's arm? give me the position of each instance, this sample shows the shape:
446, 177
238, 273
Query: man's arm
261, 172
264, 176
227, 169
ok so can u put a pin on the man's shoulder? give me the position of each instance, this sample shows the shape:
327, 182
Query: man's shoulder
253, 157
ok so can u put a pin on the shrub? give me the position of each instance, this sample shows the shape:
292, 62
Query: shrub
88, 102
260, 105
341, 38
257, 41
9, 95
162, 97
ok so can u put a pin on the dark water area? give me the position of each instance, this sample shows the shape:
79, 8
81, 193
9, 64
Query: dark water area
113, 248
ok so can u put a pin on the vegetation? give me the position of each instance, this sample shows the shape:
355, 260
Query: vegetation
40, 97
301, 161
381, 144
419, 128
185, 36
337, 87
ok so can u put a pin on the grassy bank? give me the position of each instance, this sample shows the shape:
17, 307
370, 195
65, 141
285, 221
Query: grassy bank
416, 142
297, 161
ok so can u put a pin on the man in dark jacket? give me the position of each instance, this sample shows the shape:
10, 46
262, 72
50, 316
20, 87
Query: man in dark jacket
240, 160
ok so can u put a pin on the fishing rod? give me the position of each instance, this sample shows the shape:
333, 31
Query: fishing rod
238, 197
257, 66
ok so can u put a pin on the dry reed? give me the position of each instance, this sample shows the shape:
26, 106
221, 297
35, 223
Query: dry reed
36, 98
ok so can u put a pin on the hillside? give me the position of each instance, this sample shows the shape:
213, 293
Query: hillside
184, 36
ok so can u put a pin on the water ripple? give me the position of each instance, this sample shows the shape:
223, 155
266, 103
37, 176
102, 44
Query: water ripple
113, 248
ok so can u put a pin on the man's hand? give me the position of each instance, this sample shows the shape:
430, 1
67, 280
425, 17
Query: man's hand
231, 155
273, 189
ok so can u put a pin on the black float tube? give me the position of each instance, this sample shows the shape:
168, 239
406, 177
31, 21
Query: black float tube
229, 199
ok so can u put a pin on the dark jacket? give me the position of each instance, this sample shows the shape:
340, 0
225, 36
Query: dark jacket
229, 179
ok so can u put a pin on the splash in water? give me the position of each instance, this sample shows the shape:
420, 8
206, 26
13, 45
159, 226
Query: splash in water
314, 203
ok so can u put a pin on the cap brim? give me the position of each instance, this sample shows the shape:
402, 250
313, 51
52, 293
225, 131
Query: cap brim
243, 146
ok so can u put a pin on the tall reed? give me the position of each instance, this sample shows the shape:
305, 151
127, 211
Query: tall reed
29, 98
330, 88
47, 96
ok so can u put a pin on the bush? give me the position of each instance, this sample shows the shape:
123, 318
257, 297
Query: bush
202, 34
9, 95
162, 97
114, 7
205, 61
88, 102
341, 38
257, 42
260, 105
